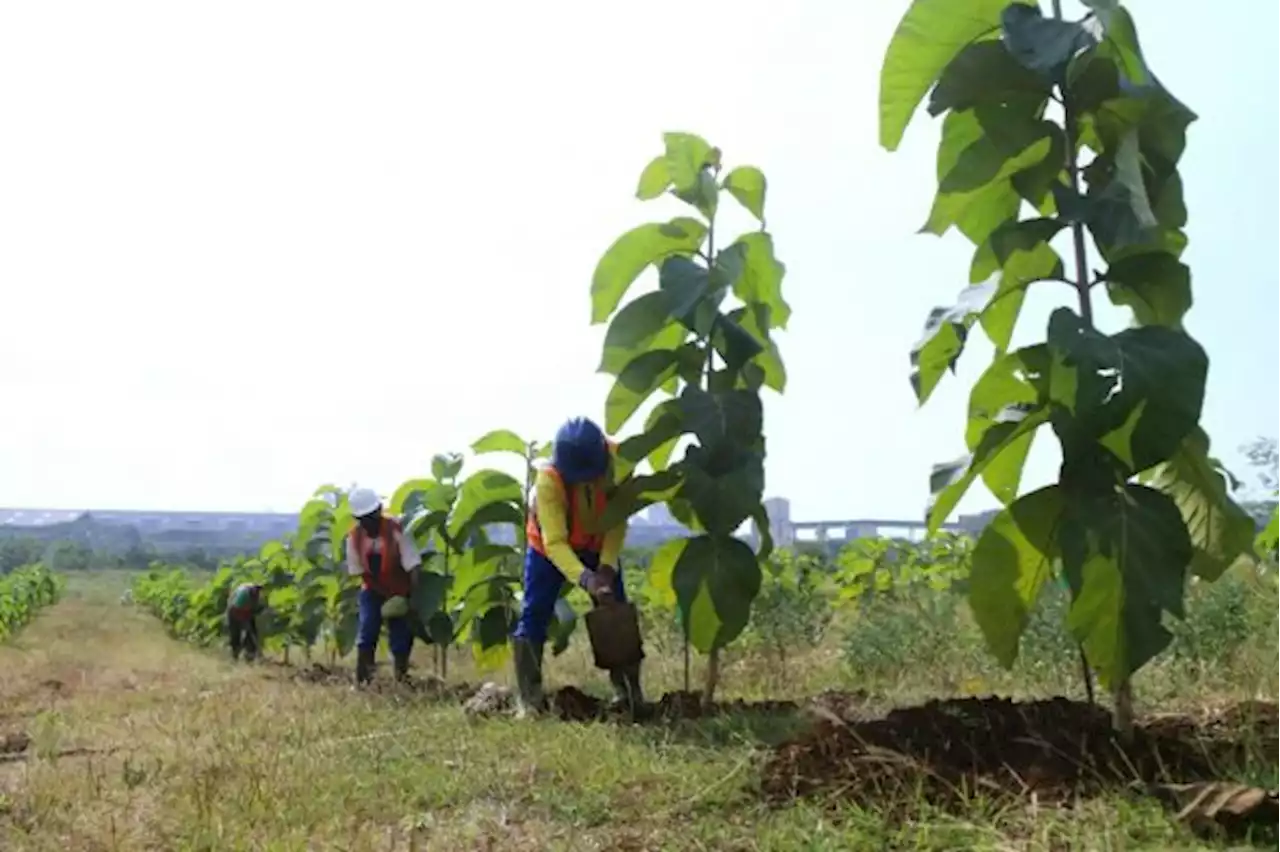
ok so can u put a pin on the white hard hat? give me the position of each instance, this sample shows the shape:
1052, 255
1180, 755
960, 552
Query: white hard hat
363, 501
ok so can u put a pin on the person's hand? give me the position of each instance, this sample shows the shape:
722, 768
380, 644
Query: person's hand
601, 583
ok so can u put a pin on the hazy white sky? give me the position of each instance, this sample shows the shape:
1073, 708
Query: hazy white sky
249, 247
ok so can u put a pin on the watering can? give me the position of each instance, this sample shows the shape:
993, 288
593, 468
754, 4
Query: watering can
614, 630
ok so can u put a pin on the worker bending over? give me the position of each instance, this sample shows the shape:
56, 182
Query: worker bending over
387, 563
565, 543
244, 605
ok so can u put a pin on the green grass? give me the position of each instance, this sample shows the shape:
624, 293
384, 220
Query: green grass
192, 753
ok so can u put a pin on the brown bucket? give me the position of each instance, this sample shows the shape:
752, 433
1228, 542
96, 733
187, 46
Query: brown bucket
614, 629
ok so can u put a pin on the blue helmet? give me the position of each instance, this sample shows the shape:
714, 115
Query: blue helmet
580, 452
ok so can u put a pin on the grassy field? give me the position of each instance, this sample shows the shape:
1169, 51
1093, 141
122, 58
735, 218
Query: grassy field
140, 742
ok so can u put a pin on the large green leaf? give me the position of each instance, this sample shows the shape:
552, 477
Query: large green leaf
1128, 174
479, 565
501, 441
655, 179
1125, 555
723, 483
984, 72
1044, 45
638, 380
727, 415
1012, 560
662, 428
632, 252
1121, 38
480, 490
489, 637
638, 492
941, 344
686, 155
661, 572
1004, 447
703, 195
1156, 286
1117, 208
1017, 380
430, 595
747, 184
929, 36
410, 496
1220, 530
755, 321
499, 512
736, 345
665, 422
1009, 142
993, 133
1138, 392
559, 633
760, 281
715, 578
446, 466
687, 284
643, 325
1021, 253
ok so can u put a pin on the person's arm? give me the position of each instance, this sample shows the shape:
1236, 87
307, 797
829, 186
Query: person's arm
555, 527
354, 568
410, 558
611, 549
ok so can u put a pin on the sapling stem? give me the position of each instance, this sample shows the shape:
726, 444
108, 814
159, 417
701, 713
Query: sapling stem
1081, 279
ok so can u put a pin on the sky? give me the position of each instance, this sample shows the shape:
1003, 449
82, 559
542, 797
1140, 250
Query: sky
247, 248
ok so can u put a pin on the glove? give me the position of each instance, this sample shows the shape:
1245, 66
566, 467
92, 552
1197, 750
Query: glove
600, 585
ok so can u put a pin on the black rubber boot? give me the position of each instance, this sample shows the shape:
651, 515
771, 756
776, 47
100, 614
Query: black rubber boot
626, 686
528, 662
364, 665
402, 667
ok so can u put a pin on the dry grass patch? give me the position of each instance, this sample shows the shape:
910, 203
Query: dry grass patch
181, 750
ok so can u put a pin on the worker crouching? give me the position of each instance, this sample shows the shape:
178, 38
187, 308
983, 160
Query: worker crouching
244, 605
378, 553
566, 544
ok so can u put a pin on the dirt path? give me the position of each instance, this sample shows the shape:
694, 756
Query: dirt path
113, 736
93, 693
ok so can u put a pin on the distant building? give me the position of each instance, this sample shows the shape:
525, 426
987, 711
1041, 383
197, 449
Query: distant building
779, 510
239, 532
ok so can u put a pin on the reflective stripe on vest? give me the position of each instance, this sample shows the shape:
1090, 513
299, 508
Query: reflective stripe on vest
391, 578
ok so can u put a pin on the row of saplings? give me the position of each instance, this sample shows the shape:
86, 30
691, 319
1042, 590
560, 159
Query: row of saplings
565, 545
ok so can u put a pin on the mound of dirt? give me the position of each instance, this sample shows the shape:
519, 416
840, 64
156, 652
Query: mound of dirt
947, 751
490, 700
573, 705
425, 685
14, 742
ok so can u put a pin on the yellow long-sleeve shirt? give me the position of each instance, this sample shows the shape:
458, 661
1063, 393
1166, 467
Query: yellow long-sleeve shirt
552, 506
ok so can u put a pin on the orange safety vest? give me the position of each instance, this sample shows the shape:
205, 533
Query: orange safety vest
391, 580
584, 524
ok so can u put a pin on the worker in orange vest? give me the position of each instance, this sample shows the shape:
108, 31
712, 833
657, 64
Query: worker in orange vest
387, 562
566, 545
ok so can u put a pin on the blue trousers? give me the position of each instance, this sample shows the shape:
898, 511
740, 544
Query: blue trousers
399, 632
542, 584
